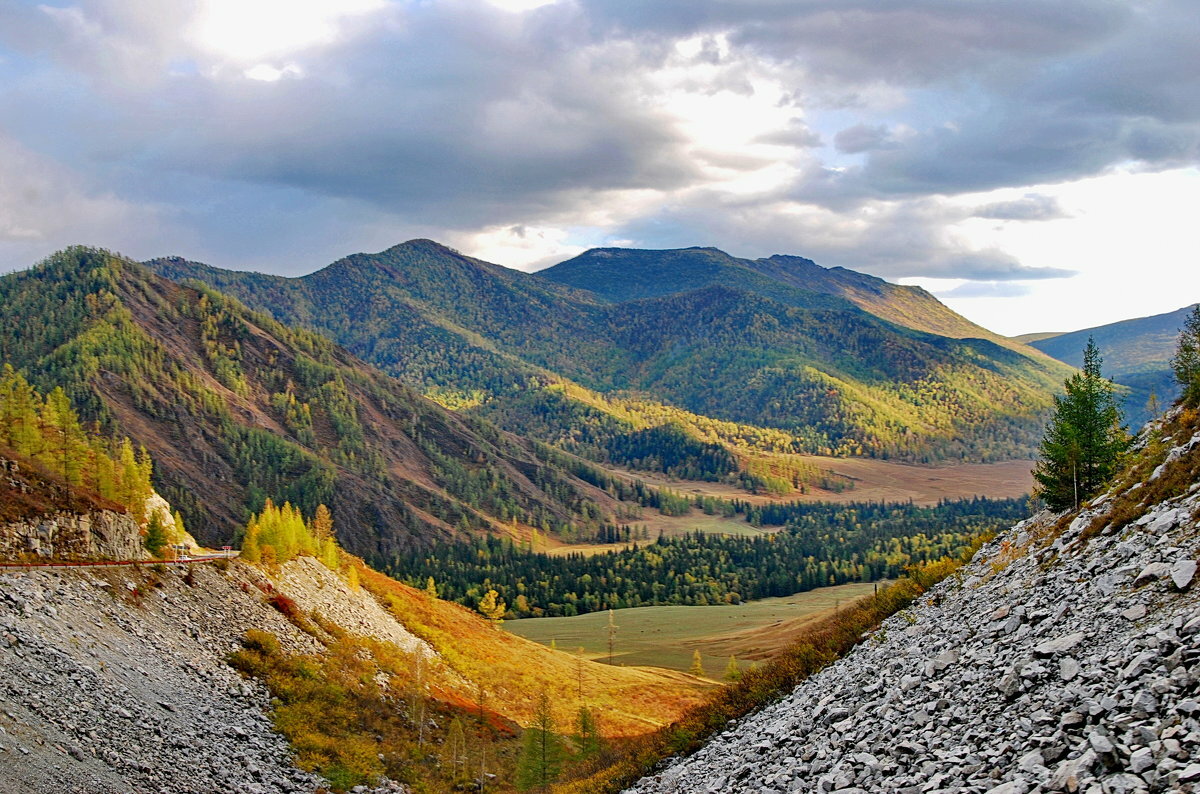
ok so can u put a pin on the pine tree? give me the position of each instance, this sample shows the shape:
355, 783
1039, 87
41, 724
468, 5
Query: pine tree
1082, 446
697, 668
156, 535
431, 588
541, 750
1186, 361
587, 733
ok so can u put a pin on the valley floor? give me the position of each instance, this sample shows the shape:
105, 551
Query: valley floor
668, 636
874, 481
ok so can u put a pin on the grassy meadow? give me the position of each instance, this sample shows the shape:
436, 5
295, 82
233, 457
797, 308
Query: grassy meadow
668, 636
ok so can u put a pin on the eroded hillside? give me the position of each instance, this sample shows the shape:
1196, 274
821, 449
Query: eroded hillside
1064, 657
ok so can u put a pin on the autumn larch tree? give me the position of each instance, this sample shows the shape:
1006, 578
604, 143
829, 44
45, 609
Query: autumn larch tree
541, 750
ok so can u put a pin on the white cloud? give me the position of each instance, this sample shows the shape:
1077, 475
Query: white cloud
525, 248
269, 74
251, 31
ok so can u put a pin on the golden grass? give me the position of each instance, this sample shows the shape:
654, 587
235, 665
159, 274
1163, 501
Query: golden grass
628, 701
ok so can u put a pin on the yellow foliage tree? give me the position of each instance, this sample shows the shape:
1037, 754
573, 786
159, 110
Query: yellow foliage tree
492, 607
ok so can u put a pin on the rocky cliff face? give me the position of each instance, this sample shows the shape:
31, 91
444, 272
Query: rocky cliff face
96, 534
1065, 658
40, 516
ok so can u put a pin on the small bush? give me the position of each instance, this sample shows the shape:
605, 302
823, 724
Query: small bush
291, 610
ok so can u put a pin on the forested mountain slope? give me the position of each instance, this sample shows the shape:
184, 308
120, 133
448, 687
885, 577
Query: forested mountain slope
619, 274
1137, 354
694, 332
236, 408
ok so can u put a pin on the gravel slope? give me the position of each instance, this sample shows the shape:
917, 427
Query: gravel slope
1046, 667
115, 680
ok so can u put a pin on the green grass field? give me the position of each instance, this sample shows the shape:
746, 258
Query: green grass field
668, 636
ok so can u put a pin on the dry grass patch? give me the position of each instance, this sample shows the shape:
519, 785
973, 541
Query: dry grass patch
513, 671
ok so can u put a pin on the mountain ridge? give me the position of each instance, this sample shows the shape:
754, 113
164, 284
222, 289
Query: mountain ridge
1137, 354
477, 336
241, 408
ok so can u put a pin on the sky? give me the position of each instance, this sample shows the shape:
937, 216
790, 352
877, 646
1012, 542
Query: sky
1036, 165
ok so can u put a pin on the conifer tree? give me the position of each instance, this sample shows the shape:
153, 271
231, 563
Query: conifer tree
587, 733
492, 607
1082, 446
541, 750
156, 535
697, 668
322, 524
1186, 361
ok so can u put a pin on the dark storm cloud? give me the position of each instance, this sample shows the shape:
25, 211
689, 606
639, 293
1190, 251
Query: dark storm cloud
449, 116
451, 109
1032, 207
863, 41
862, 138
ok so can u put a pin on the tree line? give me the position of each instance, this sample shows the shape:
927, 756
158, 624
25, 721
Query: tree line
820, 544
49, 431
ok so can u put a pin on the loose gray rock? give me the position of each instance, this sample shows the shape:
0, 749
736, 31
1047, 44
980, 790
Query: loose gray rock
1068, 674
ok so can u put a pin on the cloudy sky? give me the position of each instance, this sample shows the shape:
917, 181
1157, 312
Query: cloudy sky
1035, 164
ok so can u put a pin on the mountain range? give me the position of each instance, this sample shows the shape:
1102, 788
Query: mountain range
1137, 354
421, 394
775, 353
236, 408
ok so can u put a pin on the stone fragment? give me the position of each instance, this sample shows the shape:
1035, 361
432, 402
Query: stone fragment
1070, 775
1139, 664
1068, 668
1100, 743
1072, 719
1140, 760
1135, 612
1145, 702
1182, 573
1031, 761
1059, 644
1125, 783
1155, 570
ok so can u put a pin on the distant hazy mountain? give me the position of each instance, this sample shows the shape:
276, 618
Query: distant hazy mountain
235, 407
838, 361
1137, 354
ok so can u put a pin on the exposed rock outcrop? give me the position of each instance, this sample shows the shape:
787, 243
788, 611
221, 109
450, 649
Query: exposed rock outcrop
42, 516
1063, 659
96, 534
116, 680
